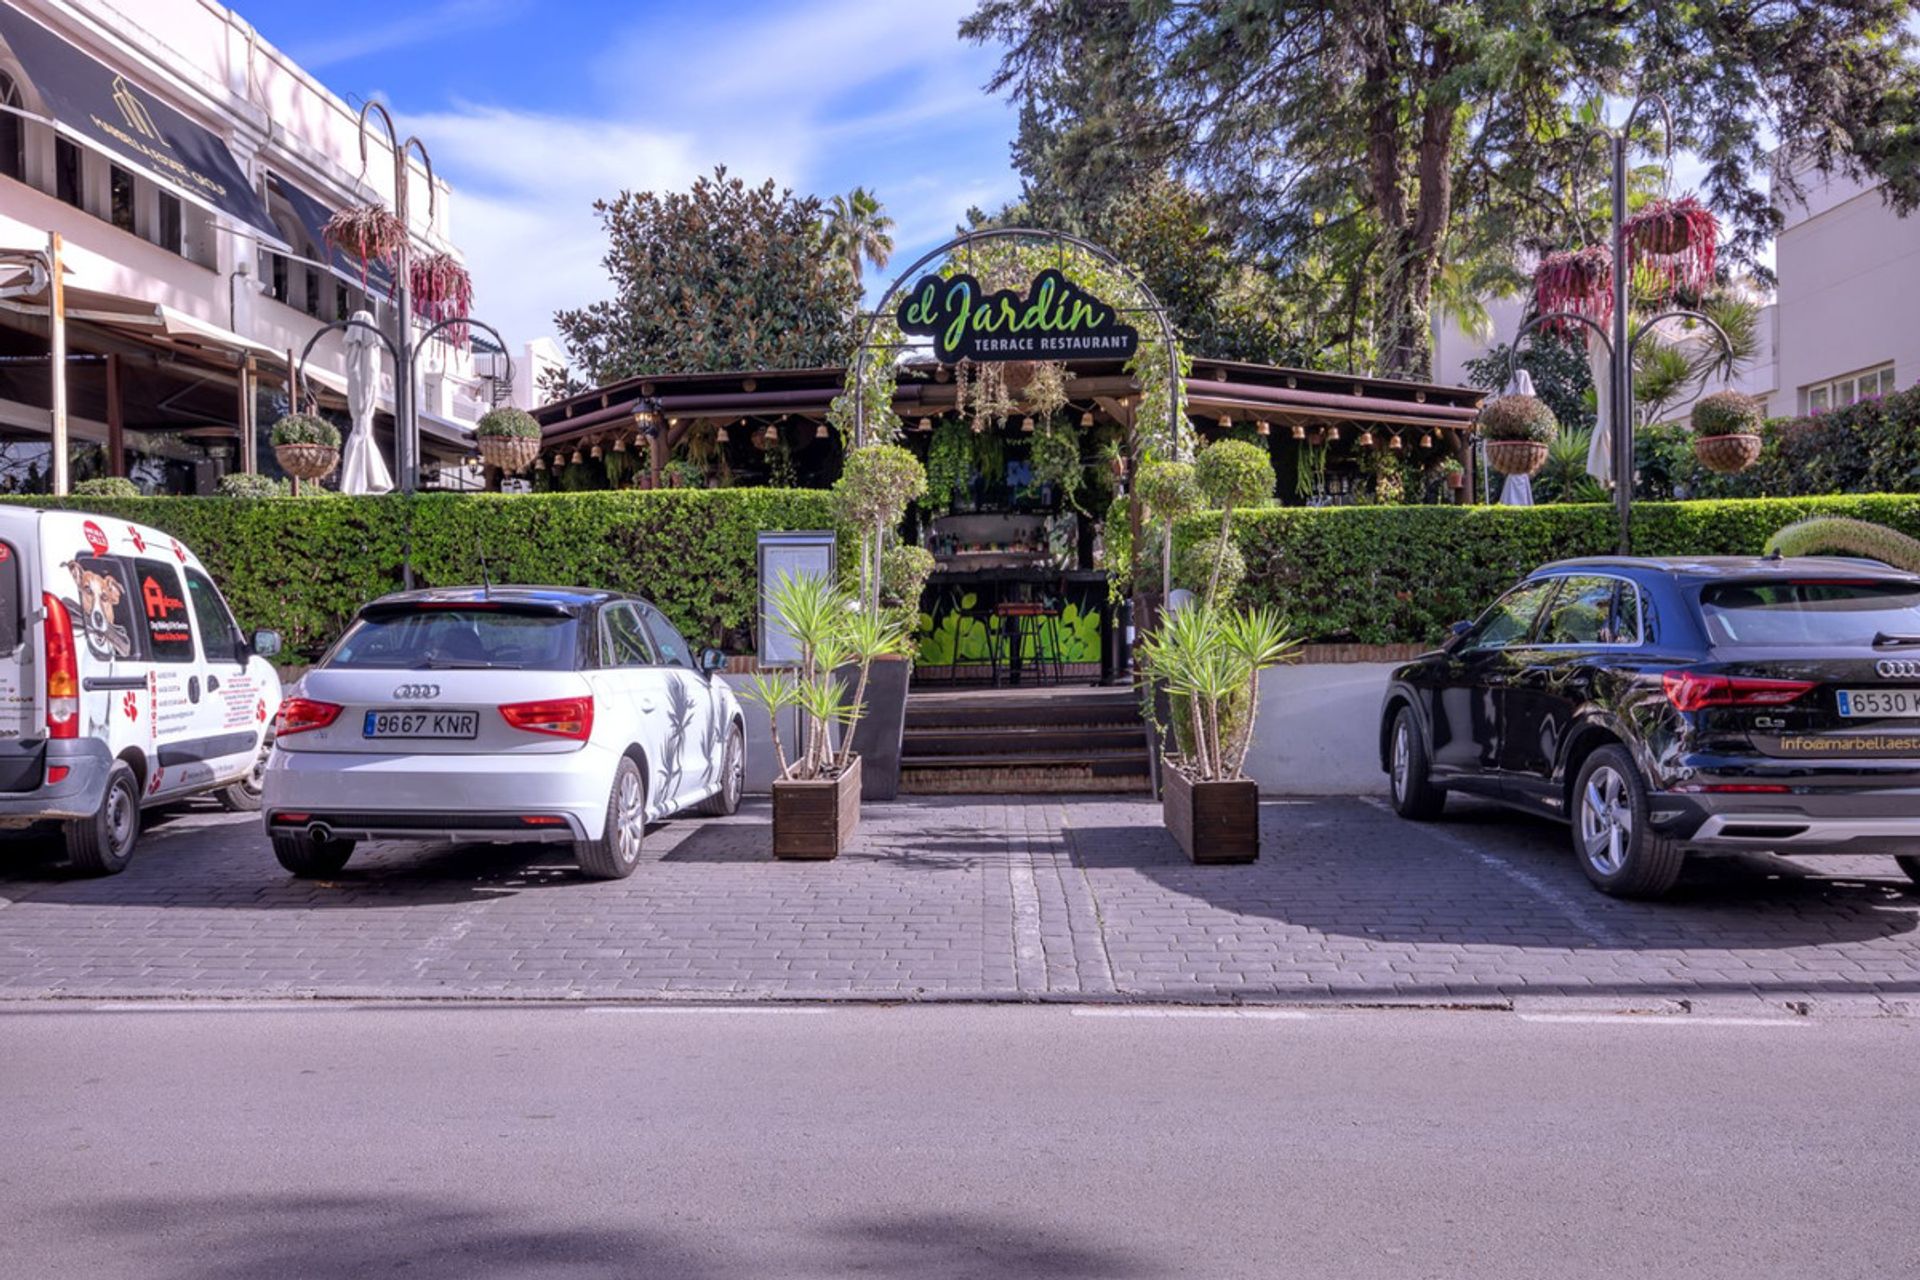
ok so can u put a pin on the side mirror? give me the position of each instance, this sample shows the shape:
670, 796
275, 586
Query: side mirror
1456, 632
712, 660
266, 644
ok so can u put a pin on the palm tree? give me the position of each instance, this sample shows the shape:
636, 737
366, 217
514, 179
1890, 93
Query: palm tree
858, 232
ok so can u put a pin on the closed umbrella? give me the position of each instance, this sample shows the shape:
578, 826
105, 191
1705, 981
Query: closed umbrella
362, 469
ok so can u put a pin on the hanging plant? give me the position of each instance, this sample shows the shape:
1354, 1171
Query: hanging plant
949, 463
1726, 431
1517, 431
1676, 239
1056, 460
507, 438
442, 290
1044, 392
369, 232
1579, 281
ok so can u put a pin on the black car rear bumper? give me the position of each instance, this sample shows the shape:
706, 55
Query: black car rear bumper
1864, 820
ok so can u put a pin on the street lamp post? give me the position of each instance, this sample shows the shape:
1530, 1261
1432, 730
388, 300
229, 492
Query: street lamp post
406, 446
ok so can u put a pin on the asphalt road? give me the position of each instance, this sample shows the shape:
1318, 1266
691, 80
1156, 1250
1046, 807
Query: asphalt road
937, 1142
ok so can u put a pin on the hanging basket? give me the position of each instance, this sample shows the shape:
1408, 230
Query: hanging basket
1727, 455
306, 461
1516, 457
512, 454
1580, 281
1676, 240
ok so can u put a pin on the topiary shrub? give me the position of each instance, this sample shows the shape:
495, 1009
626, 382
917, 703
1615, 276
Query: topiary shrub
1193, 566
1232, 473
1519, 418
1727, 413
507, 422
107, 487
876, 483
304, 428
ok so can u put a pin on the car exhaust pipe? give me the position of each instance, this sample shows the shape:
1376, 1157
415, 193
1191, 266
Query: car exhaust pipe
319, 833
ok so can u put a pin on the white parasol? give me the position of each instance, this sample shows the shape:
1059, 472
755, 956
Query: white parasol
362, 469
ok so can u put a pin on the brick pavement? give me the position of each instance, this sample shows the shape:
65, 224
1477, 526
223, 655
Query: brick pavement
1024, 897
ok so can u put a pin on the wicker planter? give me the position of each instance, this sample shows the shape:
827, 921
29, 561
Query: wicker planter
1727, 454
1211, 821
813, 821
307, 461
1516, 457
512, 454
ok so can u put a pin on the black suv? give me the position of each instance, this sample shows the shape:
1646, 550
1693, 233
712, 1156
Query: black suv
1661, 705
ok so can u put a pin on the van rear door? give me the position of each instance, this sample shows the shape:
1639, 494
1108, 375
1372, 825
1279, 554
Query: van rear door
21, 766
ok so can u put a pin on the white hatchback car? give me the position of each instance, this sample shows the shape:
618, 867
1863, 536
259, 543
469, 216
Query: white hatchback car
501, 714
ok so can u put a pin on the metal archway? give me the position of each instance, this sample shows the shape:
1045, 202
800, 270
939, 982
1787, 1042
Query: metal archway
968, 238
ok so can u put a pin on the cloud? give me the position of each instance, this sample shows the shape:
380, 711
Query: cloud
853, 92
401, 33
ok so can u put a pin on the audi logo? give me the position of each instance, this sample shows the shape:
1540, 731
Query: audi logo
409, 691
1898, 668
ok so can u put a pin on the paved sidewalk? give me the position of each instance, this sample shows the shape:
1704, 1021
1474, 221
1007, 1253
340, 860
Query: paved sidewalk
1027, 897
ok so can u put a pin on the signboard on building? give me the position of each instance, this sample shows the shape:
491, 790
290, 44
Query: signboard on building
1055, 319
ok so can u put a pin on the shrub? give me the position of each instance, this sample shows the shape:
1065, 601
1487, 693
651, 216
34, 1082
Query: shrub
1400, 575
1518, 418
1727, 413
1193, 565
1168, 489
509, 422
107, 487
304, 428
1233, 473
302, 568
239, 484
1839, 536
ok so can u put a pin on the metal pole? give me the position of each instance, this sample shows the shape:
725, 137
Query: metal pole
57, 357
1622, 357
404, 443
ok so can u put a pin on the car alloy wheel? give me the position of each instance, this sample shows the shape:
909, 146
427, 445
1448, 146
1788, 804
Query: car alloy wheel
1402, 760
630, 816
1606, 821
736, 772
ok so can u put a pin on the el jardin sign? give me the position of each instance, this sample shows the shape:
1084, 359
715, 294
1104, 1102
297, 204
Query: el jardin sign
1055, 319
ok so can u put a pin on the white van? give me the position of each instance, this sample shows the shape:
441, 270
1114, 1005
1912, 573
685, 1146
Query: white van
124, 682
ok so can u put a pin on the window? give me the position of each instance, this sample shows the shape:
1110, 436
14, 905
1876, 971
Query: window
11, 615
277, 284
342, 302
103, 605
452, 638
312, 300
220, 637
13, 134
120, 198
667, 642
1592, 611
1826, 613
1841, 392
168, 227
66, 173
1511, 618
623, 643
164, 609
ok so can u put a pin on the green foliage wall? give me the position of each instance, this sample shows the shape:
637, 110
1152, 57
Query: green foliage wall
303, 566
1400, 575
1869, 447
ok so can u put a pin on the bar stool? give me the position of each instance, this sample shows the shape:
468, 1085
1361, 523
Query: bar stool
1035, 621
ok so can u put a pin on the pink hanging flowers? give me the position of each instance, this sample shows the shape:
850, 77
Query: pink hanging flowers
1579, 281
1675, 240
442, 290
368, 232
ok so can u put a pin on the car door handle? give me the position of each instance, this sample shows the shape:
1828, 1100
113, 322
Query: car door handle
213, 683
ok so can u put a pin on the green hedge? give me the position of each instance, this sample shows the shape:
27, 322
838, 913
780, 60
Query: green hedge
1400, 575
302, 566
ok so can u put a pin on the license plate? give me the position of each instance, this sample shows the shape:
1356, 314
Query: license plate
422, 724
1876, 704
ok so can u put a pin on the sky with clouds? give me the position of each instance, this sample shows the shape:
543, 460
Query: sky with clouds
532, 110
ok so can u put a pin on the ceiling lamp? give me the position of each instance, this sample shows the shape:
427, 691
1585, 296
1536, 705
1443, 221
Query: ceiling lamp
721, 435
597, 452
1366, 438
578, 457
619, 444
1426, 439
1262, 428
1026, 425
820, 432
1394, 444
1086, 418
1299, 432
1333, 433
926, 424
1226, 422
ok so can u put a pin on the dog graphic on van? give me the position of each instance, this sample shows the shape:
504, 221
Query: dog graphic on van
100, 596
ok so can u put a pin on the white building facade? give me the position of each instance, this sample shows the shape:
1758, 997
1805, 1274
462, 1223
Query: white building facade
188, 168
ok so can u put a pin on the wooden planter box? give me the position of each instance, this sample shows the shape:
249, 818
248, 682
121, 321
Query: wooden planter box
815, 820
1212, 821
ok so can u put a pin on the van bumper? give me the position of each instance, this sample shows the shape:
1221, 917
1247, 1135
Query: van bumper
77, 795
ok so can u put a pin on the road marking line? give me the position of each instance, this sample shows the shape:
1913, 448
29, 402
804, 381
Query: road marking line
1665, 1019
1125, 1011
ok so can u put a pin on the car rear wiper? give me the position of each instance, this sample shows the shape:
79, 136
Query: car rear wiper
467, 664
1887, 640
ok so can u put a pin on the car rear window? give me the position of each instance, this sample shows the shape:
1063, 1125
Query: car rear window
1842, 613
442, 639
11, 615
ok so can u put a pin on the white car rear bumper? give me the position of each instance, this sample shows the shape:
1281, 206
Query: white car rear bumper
456, 797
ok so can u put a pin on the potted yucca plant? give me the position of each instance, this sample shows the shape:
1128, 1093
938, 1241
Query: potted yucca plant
1517, 430
1726, 431
307, 447
816, 798
507, 438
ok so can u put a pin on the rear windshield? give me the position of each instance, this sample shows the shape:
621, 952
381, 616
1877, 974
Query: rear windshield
443, 639
1850, 614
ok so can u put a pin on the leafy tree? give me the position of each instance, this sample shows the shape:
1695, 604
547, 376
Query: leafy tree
858, 231
723, 276
1398, 134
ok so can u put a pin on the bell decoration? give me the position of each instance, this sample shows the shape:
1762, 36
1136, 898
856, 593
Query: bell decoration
1262, 428
1086, 418
596, 453
1299, 432
1366, 438
1426, 439
721, 436
578, 457
926, 424
619, 444
1026, 425
1333, 433
1394, 444
820, 432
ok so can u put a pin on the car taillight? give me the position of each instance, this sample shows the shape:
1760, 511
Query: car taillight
1692, 691
297, 715
63, 672
559, 717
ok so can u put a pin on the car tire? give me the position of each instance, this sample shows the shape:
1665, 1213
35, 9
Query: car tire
1409, 771
102, 845
733, 779
311, 859
617, 852
1910, 863
1612, 837
244, 796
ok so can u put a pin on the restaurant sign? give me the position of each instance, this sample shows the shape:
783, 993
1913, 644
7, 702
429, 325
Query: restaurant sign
1055, 320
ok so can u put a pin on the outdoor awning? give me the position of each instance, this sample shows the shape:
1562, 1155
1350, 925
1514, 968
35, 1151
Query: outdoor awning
98, 106
313, 215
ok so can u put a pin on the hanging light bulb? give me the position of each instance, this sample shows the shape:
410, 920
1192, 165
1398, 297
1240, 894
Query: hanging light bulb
1086, 418
1026, 425
1394, 444
1366, 438
1262, 428
1299, 432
